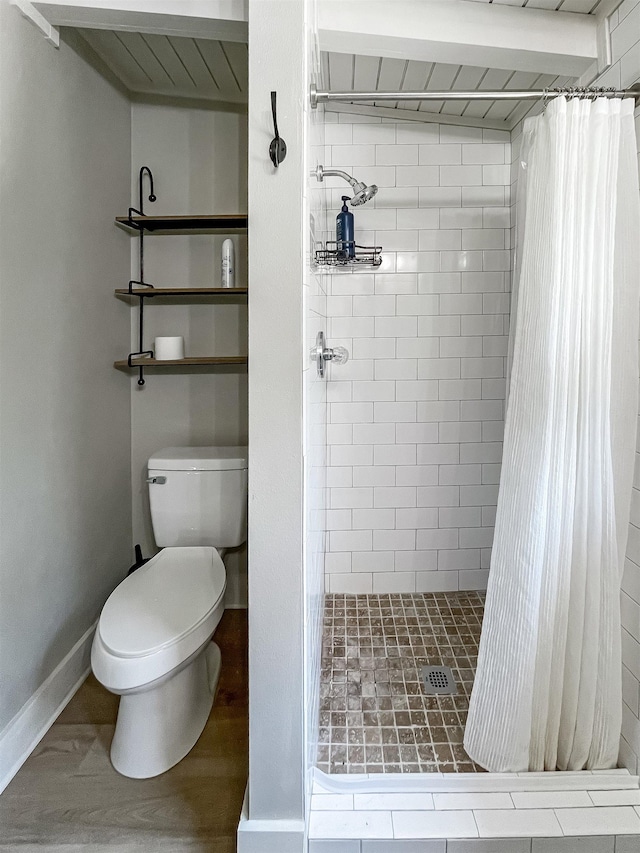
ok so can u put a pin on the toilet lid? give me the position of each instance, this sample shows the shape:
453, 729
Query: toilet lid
163, 601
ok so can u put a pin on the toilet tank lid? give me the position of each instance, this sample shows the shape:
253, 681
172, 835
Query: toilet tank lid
211, 458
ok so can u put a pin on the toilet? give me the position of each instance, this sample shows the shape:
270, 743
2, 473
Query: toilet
153, 645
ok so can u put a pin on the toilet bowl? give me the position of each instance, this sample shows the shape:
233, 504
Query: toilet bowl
153, 646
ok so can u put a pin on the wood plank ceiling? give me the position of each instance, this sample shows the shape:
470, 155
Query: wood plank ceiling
348, 72
174, 66
218, 71
586, 7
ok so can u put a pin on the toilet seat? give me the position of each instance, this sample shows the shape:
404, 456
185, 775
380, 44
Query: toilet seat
162, 601
158, 617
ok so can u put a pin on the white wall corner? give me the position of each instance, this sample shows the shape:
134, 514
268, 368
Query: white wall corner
589, 76
52, 34
35, 718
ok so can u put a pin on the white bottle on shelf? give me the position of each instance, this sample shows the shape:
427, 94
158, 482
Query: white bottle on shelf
228, 264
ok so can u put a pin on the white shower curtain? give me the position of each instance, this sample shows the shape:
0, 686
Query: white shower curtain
547, 693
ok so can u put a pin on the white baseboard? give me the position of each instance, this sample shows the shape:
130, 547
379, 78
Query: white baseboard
34, 719
269, 836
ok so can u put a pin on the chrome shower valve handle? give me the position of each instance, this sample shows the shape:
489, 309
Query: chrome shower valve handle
340, 355
321, 353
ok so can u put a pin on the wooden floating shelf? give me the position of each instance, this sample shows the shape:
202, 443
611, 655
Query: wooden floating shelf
182, 362
225, 223
182, 291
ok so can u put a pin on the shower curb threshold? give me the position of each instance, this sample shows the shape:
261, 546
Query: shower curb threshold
589, 812
582, 780
601, 808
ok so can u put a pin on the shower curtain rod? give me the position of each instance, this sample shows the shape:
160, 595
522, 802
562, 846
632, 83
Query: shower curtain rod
502, 95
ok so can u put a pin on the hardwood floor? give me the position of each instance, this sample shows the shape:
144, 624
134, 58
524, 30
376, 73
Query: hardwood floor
68, 798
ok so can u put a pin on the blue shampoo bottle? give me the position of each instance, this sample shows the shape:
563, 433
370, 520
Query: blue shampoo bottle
345, 238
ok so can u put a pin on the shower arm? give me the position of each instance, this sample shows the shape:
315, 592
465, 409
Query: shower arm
321, 173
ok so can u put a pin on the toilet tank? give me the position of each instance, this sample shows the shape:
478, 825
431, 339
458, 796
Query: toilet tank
198, 496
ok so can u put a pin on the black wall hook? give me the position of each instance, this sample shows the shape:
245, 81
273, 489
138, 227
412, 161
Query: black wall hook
278, 147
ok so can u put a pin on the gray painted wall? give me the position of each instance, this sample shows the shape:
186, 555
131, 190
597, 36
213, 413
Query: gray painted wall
199, 162
65, 446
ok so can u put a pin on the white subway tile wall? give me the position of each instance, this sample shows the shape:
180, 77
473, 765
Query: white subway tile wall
625, 72
416, 416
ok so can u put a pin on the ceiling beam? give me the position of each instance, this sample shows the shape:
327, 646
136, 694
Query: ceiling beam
28, 11
225, 20
605, 9
458, 32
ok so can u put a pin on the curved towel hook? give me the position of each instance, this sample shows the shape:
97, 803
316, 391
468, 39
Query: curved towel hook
278, 147
152, 196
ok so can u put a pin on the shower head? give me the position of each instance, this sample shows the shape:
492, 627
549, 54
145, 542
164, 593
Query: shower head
361, 192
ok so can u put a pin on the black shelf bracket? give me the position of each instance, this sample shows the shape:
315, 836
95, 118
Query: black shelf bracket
131, 355
133, 283
145, 170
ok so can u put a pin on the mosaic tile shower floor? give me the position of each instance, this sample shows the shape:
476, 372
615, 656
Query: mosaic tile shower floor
375, 715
